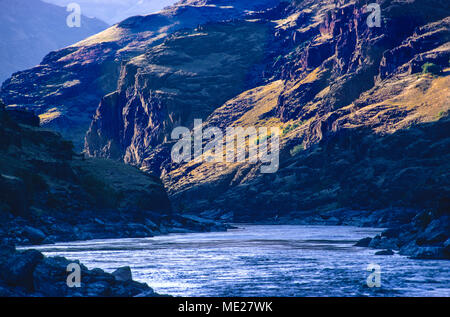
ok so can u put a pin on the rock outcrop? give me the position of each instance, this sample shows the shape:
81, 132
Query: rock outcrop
426, 236
186, 78
30, 274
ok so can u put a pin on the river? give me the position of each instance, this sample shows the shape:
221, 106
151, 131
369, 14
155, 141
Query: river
262, 260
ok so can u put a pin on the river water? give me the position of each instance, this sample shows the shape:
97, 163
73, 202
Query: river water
260, 260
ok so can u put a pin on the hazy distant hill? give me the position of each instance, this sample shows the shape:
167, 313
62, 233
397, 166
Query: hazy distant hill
114, 11
30, 29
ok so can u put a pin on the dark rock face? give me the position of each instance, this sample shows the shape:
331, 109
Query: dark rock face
417, 50
425, 236
23, 117
385, 252
29, 273
123, 274
363, 242
18, 268
159, 90
35, 236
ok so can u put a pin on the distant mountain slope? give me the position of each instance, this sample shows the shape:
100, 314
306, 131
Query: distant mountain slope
30, 29
114, 11
67, 87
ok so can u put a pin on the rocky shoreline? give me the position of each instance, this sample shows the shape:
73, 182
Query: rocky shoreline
30, 274
425, 237
412, 233
51, 229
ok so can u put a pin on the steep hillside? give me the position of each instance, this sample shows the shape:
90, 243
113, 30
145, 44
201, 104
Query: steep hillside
30, 29
363, 126
187, 77
66, 88
49, 193
359, 107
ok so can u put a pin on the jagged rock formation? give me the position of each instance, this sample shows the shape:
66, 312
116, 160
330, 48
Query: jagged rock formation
187, 77
31, 28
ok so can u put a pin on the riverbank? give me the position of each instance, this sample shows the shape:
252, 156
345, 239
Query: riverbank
30, 273
47, 229
418, 235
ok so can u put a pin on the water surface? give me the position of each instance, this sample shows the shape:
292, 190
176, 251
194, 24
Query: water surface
259, 260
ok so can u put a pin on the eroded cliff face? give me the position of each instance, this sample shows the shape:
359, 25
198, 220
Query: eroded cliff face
186, 78
363, 125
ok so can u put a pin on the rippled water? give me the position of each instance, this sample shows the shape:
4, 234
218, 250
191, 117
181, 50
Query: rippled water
262, 261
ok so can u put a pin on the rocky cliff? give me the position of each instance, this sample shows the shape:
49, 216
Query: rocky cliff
361, 120
187, 77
